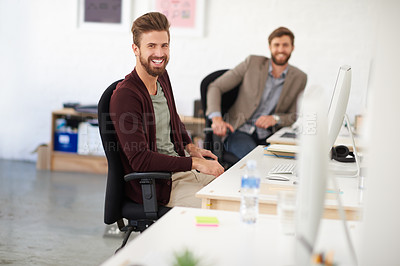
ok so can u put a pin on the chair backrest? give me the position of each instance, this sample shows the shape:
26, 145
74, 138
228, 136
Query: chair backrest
227, 99
115, 177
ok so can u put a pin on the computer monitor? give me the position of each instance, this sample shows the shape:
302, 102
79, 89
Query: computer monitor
338, 104
312, 166
313, 161
335, 113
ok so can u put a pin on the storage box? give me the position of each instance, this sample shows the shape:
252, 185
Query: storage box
89, 141
65, 141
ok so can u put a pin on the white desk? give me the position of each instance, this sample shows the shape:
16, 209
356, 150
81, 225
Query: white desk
231, 243
223, 193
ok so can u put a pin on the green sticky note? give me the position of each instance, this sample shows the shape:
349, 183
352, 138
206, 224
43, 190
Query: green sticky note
207, 221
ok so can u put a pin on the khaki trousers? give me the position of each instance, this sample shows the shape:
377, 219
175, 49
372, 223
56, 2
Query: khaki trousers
184, 187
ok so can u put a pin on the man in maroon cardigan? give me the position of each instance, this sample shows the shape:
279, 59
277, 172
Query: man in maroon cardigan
148, 127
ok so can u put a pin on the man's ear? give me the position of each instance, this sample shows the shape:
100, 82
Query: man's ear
135, 49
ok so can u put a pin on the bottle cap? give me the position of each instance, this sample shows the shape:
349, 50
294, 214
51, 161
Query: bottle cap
251, 164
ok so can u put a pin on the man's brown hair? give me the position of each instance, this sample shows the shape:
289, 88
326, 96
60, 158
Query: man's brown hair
279, 32
152, 21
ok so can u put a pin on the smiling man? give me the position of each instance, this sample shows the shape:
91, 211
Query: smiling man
267, 96
150, 132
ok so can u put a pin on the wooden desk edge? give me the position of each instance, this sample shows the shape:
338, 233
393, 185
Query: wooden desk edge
269, 207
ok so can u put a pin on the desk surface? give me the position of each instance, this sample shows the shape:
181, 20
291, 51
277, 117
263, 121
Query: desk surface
342, 139
231, 243
224, 192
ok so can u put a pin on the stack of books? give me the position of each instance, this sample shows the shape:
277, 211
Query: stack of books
282, 150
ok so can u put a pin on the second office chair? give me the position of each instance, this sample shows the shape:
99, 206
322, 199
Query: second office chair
211, 141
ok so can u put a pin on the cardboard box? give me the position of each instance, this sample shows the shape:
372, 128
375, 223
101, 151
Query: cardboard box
43, 157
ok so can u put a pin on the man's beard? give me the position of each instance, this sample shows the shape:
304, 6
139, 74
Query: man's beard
280, 62
153, 71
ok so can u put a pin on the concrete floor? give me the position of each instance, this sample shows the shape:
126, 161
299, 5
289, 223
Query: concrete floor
52, 218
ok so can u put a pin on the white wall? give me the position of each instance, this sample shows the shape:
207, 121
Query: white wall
46, 60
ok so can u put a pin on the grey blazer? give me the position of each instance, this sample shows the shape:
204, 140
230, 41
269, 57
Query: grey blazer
252, 74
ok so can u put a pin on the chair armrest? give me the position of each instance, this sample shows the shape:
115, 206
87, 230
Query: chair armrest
147, 181
149, 175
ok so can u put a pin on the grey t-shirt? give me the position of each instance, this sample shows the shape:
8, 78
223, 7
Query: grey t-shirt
163, 123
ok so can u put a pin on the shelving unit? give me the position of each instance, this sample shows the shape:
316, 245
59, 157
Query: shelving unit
74, 162
69, 161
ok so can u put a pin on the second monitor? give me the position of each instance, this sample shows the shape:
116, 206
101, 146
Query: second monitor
335, 113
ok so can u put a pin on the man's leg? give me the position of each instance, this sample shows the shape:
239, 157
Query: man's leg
240, 144
185, 185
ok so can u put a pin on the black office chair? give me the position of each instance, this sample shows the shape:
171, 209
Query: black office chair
117, 205
211, 141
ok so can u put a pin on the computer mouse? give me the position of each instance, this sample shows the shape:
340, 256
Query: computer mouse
278, 178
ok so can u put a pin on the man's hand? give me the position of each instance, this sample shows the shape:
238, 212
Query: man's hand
265, 121
195, 151
209, 167
220, 127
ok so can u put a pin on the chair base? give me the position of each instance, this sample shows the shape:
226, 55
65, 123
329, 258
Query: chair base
134, 226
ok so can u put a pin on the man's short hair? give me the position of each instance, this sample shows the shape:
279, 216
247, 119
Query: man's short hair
152, 21
279, 32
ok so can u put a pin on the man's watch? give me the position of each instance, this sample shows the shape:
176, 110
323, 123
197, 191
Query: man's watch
277, 119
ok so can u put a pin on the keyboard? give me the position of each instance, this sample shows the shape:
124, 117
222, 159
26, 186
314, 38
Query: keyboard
289, 135
287, 168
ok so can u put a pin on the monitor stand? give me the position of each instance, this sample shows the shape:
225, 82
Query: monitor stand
342, 169
346, 169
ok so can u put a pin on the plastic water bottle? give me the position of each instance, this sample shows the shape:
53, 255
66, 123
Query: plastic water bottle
249, 191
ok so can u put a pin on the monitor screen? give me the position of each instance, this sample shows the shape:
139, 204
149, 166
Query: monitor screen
338, 105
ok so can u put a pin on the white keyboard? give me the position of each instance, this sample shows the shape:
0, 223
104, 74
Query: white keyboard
287, 168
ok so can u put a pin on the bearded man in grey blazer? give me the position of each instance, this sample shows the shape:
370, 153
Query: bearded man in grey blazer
266, 100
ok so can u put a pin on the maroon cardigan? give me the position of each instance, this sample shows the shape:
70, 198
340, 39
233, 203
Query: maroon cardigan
132, 113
